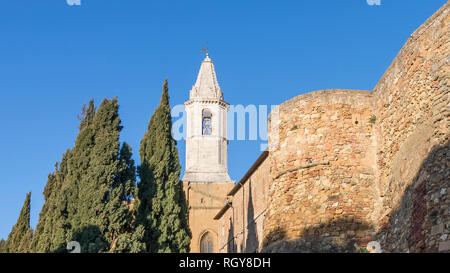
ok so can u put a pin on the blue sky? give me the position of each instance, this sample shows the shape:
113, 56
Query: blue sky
55, 57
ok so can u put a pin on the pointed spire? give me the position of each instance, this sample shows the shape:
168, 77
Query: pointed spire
206, 85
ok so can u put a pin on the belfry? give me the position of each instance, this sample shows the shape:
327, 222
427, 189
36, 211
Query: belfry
206, 181
206, 141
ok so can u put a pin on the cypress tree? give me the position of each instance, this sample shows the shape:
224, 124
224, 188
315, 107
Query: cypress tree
161, 206
78, 166
87, 115
104, 184
52, 228
60, 217
41, 239
120, 205
88, 196
3, 248
20, 237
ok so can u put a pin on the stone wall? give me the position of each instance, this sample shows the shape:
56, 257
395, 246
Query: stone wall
347, 167
352, 166
412, 127
322, 193
241, 226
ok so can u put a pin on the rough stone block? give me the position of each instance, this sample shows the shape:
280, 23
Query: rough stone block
437, 229
444, 246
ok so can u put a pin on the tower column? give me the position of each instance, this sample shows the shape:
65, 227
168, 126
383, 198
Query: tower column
206, 181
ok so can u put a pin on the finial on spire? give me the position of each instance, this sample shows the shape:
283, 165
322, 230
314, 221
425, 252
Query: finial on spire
206, 85
205, 50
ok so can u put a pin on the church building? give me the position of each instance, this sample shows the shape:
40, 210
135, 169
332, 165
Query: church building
346, 170
206, 181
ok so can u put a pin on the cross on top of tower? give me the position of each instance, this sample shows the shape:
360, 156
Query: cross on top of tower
206, 51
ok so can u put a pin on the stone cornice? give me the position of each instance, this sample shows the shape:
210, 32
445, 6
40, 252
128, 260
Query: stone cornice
207, 101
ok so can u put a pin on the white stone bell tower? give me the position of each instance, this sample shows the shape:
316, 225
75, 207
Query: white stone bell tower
206, 138
206, 182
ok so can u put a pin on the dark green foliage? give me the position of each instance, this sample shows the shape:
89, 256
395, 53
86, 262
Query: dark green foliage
20, 237
161, 206
87, 198
93, 171
118, 207
87, 115
132, 242
91, 197
51, 231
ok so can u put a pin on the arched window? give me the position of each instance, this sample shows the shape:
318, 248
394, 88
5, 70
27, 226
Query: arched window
206, 122
206, 243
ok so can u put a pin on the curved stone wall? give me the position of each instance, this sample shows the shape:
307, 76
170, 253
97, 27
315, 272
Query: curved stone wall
322, 188
348, 167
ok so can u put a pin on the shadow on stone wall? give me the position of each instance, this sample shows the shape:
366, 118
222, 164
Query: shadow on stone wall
326, 238
421, 222
278, 234
252, 242
231, 245
423, 214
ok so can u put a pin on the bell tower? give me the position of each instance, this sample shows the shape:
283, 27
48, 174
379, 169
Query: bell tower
206, 181
206, 141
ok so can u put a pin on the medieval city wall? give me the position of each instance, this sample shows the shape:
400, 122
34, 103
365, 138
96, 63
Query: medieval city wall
347, 167
412, 108
352, 166
322, 191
